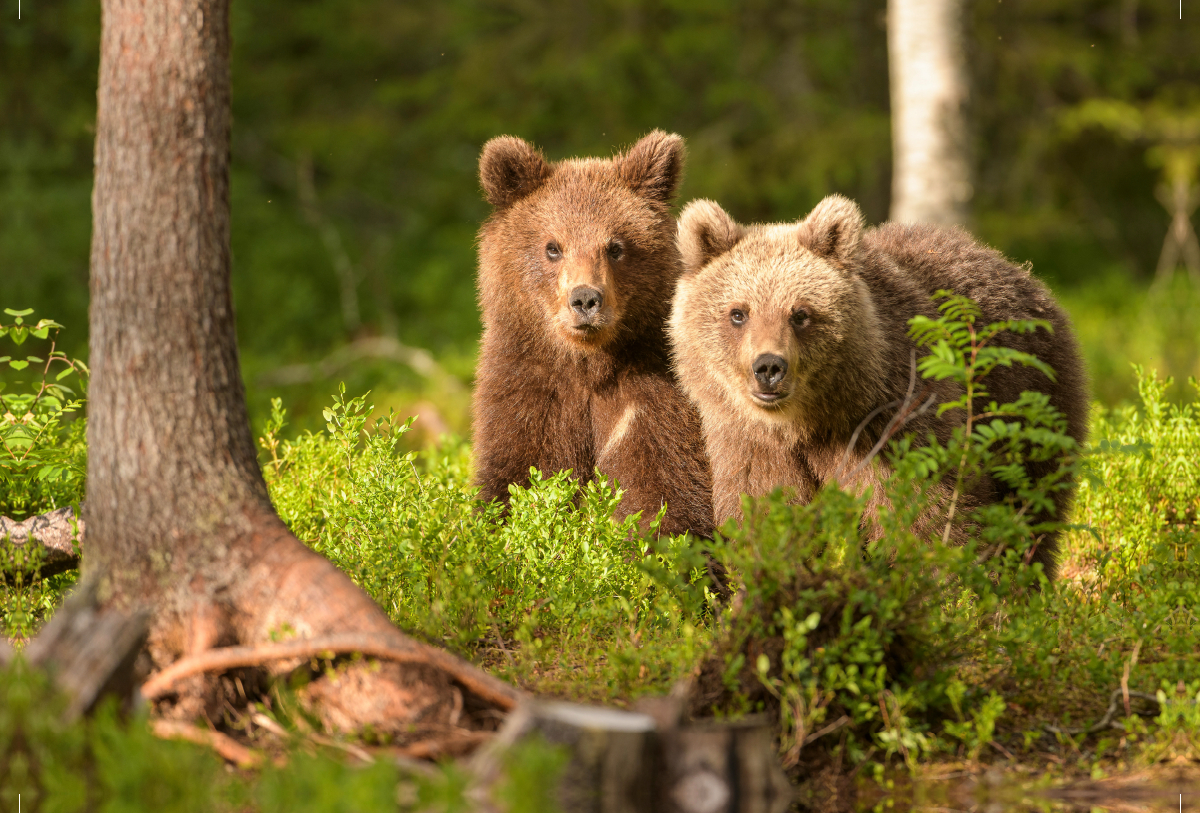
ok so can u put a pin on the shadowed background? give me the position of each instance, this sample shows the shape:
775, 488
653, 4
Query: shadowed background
358, 125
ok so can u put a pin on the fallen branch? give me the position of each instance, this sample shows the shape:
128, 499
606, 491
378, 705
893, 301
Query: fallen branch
1107, 720
456, 745
266, 723
477, 682
369, 347
57, 533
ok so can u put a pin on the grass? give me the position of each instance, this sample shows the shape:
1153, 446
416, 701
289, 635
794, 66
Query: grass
1120, 324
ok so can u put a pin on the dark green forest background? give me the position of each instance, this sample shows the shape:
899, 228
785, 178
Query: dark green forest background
358, 124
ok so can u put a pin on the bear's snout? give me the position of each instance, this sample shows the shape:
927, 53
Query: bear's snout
585, 302
769, 371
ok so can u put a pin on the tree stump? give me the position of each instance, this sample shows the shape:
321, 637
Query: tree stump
89, 653
631, 762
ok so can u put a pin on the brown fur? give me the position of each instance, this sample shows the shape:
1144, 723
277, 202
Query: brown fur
852, 353
552, 393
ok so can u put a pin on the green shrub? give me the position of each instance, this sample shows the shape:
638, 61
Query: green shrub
910, 647
42, 453
1127, 609
557, 575
43, 457
821, 634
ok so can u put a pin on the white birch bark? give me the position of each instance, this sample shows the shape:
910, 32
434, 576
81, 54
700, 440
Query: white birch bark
931, 180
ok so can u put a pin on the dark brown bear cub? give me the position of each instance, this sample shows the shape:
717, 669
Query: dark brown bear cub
788, 336
577, 267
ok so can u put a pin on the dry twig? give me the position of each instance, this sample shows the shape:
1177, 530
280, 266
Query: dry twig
1107, 720
229, 748
903, 415
367, 347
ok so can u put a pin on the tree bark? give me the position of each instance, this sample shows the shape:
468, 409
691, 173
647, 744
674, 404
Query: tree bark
931, 178
177, 512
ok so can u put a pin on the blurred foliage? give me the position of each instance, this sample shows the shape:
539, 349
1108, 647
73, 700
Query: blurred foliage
114, 763
358, 125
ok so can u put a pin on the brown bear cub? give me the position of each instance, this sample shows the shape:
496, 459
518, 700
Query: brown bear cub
577, 267
788, 336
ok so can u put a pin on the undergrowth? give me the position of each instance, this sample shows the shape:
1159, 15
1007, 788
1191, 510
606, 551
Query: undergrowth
898, 652
43, 457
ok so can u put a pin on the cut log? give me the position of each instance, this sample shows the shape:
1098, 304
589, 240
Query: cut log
57, 533
89, 653
626, 762
725, 766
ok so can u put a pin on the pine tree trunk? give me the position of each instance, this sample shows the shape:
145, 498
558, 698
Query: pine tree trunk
172, 475
177, 513
931, 178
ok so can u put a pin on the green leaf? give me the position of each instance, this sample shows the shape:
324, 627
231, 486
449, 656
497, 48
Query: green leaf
18, 365
12, 312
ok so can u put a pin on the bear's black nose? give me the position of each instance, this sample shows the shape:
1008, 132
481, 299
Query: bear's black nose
769, 369
586, 301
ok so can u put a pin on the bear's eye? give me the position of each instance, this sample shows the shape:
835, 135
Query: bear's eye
738, 317
615, 250
800, 318
553, 252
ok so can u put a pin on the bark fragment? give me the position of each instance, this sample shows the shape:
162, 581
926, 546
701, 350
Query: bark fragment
57, 533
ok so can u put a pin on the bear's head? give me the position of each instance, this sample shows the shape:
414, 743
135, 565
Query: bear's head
585, 247
773, 324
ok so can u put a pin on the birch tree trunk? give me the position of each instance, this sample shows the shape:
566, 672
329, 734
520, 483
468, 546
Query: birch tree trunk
931, 180
178, 518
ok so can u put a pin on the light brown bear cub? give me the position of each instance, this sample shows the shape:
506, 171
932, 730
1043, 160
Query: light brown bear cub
577, 267
788, 336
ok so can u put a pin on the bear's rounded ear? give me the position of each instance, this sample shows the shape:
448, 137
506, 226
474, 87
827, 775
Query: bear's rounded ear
706, 232
510, 169
833, 228
653, 167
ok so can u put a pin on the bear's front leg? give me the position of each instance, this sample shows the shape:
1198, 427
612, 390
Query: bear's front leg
522, 423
